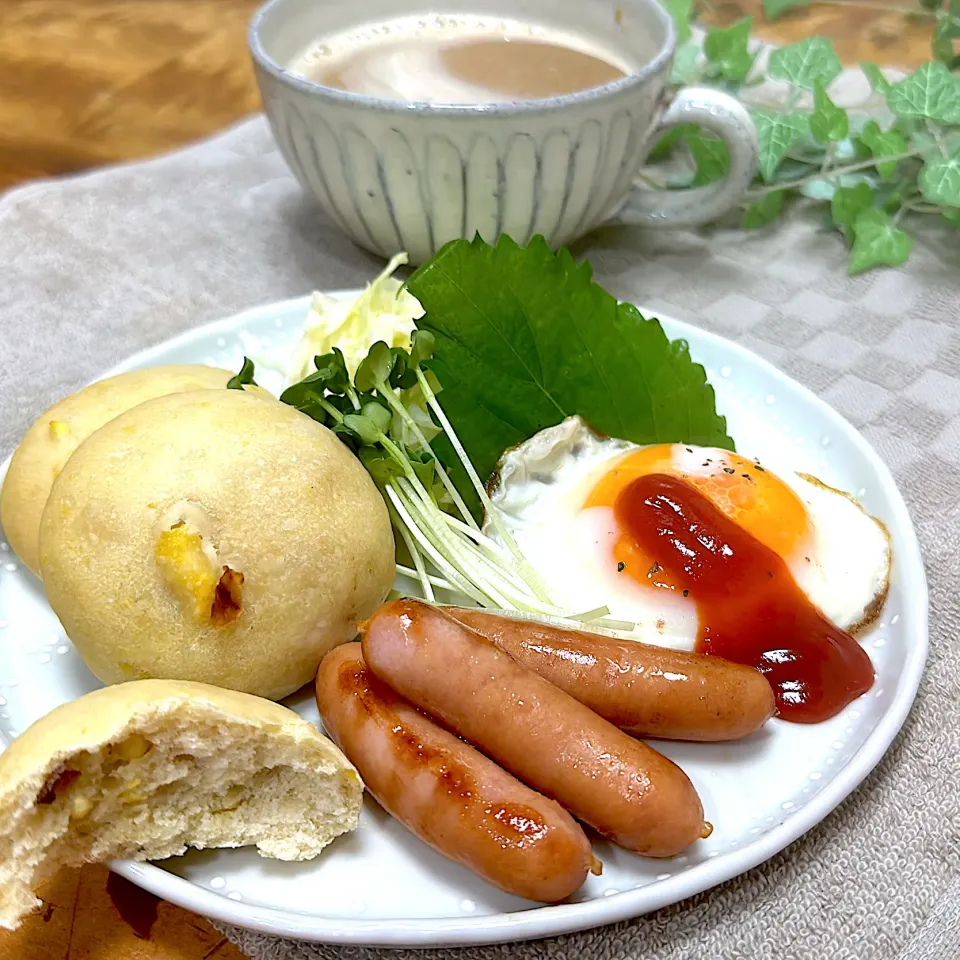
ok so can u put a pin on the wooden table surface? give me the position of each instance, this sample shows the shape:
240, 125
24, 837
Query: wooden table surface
89, 82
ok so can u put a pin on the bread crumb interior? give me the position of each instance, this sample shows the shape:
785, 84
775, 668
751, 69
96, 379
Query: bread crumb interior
169, 785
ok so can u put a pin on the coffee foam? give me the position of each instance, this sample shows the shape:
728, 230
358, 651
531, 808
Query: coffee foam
401, 59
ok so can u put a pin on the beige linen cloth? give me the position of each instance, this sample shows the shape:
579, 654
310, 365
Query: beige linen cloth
95, 268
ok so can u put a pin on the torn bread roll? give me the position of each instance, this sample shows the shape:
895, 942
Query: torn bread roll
146, 769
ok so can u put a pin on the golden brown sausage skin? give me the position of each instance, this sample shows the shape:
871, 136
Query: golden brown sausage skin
445, 792
647, 691
621, 787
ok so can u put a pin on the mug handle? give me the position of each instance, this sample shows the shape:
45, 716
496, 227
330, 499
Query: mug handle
723, 115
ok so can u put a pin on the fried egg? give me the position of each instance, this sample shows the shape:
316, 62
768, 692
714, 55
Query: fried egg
556, 495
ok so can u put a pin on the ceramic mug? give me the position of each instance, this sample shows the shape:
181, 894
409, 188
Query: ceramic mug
397, 175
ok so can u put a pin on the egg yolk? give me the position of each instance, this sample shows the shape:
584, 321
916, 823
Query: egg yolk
758, 501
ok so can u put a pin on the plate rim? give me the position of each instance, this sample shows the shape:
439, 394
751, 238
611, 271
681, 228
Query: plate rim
555, 920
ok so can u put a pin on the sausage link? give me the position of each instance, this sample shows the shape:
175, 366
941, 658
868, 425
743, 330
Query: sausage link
645, 690
620, 786
446, 792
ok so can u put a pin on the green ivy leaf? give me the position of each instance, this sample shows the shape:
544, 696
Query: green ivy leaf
828, 121
876, 78
791, 170
730, 72
849, 202
727, 51
662, 149
685, 64
883, 143
891, 196
776, 134
908, 126
722, 41
857, 177
932, 92
681, 11
939, 180
711, 156
803, 64
845, 149
877, 242
774, 9
946, 31
762, 212
923, 140
819, 189
681, 179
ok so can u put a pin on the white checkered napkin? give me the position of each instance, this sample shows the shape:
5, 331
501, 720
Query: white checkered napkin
96, 268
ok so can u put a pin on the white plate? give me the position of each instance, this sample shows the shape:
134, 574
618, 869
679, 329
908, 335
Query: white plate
380, 886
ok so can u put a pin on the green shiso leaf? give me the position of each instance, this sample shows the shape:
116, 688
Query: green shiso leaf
525, 338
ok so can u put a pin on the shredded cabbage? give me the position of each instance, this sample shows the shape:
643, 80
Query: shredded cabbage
384, 311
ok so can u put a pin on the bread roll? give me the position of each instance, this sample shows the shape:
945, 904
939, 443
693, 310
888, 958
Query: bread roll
51, 440
215, 537
146, 769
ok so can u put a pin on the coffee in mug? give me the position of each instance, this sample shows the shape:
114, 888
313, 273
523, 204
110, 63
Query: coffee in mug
459, 60
489, 117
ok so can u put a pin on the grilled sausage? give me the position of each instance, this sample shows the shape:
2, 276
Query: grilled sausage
645, 690
445, 792
620, 786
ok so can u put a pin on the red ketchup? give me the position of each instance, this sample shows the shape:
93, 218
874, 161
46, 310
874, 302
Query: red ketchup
749, 606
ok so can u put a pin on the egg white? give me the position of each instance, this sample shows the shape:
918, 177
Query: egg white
848, 570
542, 486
